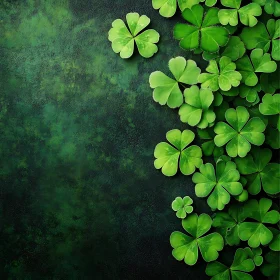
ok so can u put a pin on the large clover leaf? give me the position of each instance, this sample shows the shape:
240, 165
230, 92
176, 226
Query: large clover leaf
196, 110
240, 132
218, 185
242, 264
256, 232
270, 6
221, 76
167, 90
261, 173
263, 36
204, 31
227, 223
182, 206
257, 63
247, 14
186, 246
168, 155
123, 39
271, 267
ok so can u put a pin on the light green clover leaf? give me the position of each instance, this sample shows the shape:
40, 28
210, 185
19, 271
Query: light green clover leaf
271, 267
203, 31
167, 90
220, 76
263, 36
195, 111
257, 233
218, 185
257, 63
247, 14
271, 7
260, 173
186, 246
240, 132
123, 38
168, 155
242, 264
182, 206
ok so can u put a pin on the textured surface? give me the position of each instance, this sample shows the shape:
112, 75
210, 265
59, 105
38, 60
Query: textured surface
80, 198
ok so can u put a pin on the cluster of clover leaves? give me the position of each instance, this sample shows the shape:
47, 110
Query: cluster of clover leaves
235, 110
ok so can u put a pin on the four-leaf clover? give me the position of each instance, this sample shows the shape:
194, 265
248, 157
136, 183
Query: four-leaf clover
186, 246
182, 206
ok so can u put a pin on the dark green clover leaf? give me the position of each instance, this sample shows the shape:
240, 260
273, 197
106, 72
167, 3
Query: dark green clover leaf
123, 39
250, 93
203, 31
271, 106
270, 83
272, 137
240, 132
261, 173
196, 110
256, 232
242, 264
257, 63
263, 36
220, 75
271, 7
227, 223
217, 184
186, 246
235, 48
182, 206
274, 245
271, 267
167, 90
168, 155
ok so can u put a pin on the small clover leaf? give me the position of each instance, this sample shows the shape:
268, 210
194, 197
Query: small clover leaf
168, 155
247, 14
256, 232
220, 76
242, 264
182, 206
240, 132
250, 93
271, 266
260, 173
167, 90
196, 110
123, 38
217, 184
271, 7
257, 63
203, 31
274, 245
256, 255
186, 246
235, 48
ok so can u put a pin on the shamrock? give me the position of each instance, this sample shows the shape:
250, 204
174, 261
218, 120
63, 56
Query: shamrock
182, 206
256, 255
258, 62
257, 233
123, 39
218, 184
235, 48
260, 172
270, 6
167, 90
272, 265
221, 75
271, 106
186, 246
167, 155
204, 31
242, 263
250, 93
247, 14
196, 110
263, 36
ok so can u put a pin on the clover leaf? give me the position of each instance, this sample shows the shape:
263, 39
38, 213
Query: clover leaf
271, 106
186, 246
274, 245
221, 75
195, 111
235, 48
270, 6
250, 93
263, 36
240, 132
217, 184
203, 31
256, 232
272, 137
272, 265
242, 263
123, 38
247, 14
257, 63
256, 255
182, 206
167, 90
227, 223
270, 83
168, 155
